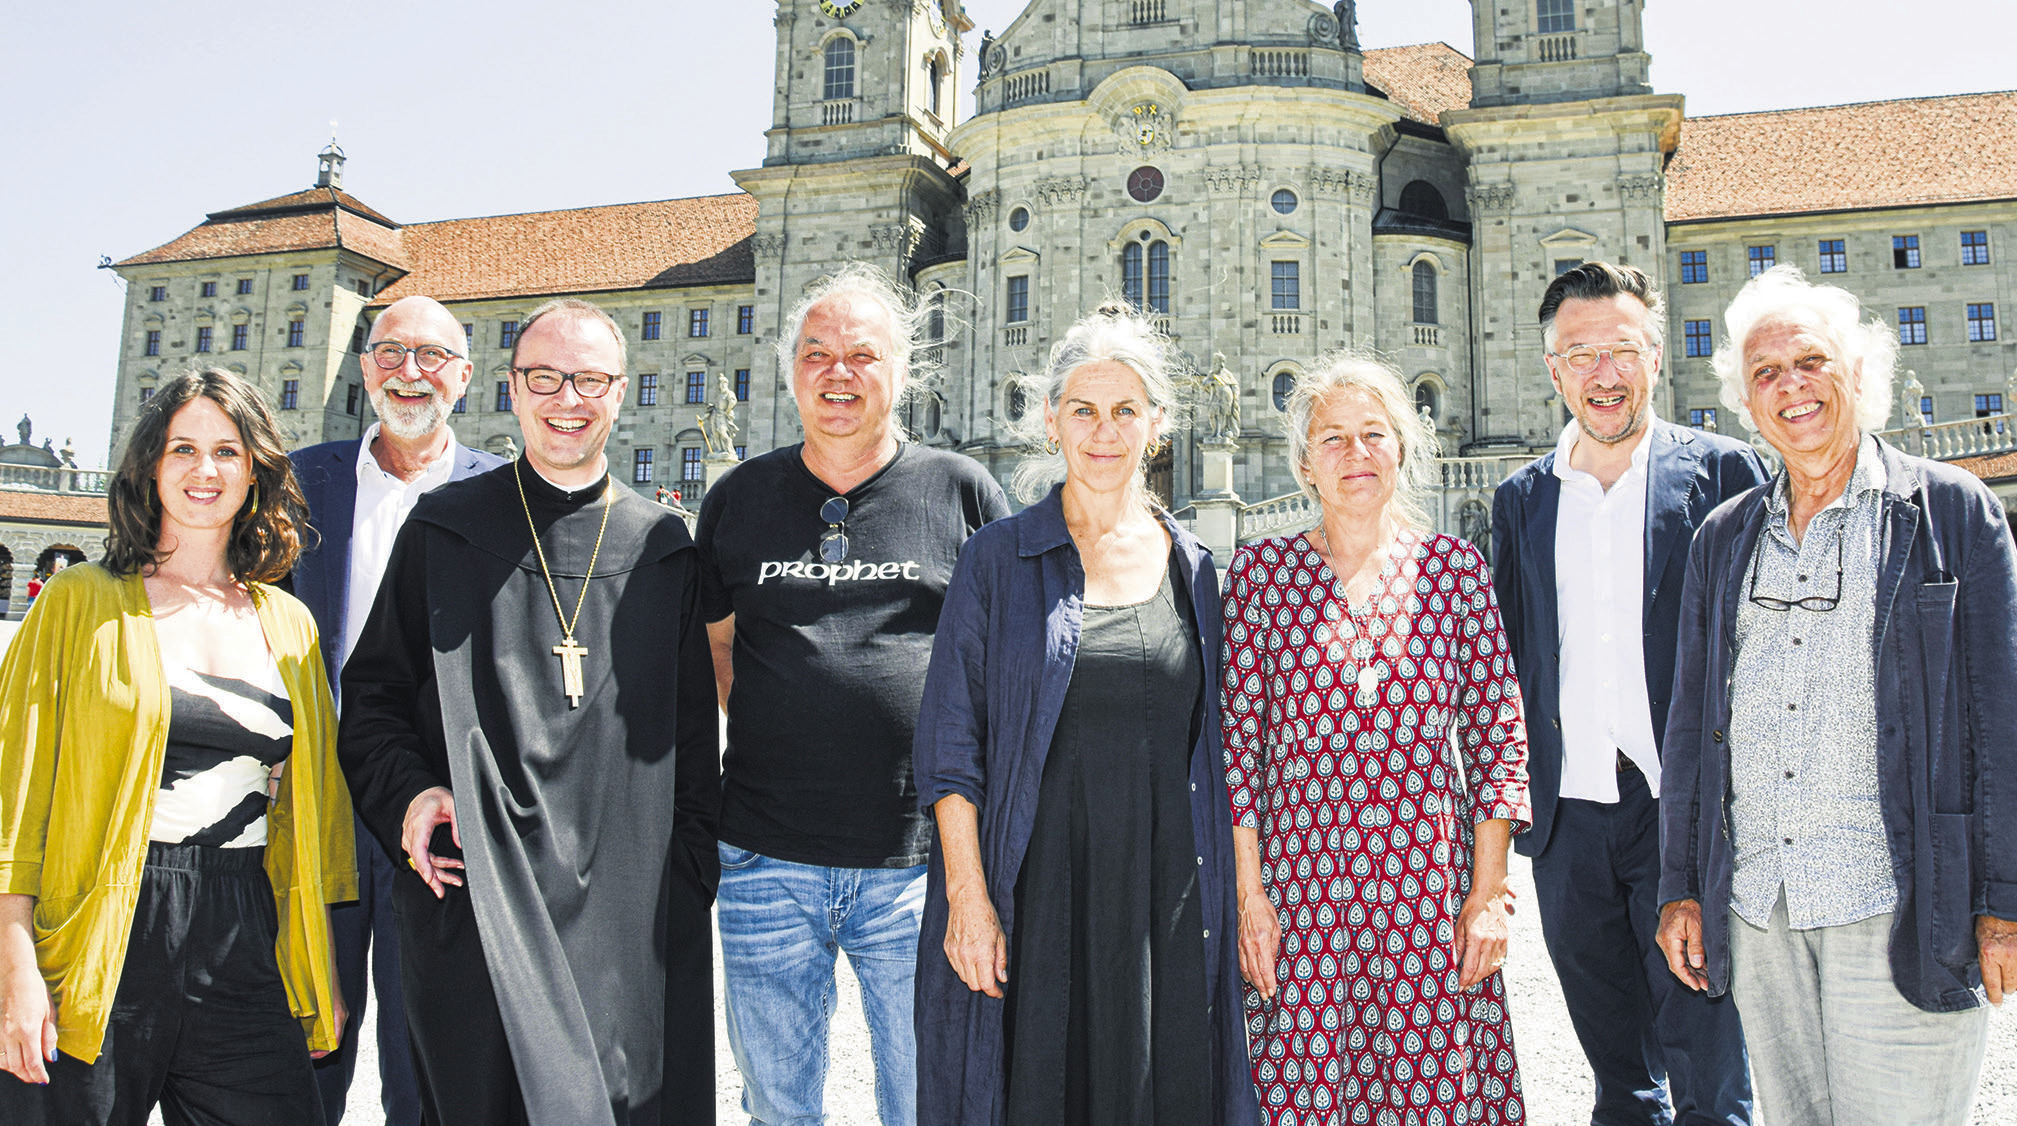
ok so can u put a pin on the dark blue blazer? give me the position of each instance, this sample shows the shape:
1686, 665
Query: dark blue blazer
328, 476
1689, 472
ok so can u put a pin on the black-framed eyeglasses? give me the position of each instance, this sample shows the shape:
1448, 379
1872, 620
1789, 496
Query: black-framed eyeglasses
429, 358
547, 381
833, 544
1811, 602
1626, 357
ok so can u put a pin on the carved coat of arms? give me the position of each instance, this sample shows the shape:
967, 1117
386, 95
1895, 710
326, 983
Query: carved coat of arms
1145, 126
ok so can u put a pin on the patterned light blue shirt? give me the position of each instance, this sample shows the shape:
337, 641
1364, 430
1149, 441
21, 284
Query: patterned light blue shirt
1804, 813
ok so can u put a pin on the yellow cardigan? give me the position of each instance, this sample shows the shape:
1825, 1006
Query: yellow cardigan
83, 730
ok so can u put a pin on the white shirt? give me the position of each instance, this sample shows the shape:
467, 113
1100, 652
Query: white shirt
383, 500
1600, 579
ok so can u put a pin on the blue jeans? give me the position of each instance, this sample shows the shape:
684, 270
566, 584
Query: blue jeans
781, 925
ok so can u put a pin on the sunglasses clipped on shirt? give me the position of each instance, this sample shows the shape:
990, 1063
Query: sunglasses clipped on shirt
833, 543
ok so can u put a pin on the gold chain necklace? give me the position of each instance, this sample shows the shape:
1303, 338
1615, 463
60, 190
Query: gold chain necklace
569, 653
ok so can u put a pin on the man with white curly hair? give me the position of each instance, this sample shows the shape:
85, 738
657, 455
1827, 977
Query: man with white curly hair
824, 565
1839, 839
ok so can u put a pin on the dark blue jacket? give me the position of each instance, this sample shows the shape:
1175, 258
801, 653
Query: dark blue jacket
1688, 474
1000, 664
1946, 651
321, 578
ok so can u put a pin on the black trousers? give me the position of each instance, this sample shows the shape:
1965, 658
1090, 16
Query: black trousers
364, 931
200, 1022
1659, 1051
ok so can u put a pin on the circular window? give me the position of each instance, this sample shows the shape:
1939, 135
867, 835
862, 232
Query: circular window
1145, 184
1284, 201
1019, 219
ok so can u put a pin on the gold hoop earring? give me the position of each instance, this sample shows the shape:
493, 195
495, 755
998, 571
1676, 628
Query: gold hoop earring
1051, 446
254, 510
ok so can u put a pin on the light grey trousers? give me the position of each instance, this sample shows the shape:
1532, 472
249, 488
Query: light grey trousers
1832, 1041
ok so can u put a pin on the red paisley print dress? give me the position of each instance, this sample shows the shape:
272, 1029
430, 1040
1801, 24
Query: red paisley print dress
1365, 743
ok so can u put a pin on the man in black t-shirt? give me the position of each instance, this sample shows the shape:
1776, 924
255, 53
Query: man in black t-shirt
823, 569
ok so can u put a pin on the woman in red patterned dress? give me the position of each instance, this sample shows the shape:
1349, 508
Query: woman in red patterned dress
1376, 759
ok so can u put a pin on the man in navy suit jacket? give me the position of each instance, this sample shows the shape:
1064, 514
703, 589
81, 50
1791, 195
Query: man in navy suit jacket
359, 492
1590, 544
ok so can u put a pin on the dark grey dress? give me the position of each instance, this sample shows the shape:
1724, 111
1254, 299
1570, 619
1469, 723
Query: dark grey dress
1107, 1019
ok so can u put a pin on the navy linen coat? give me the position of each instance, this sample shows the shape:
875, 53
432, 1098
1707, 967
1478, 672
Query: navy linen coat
1001, 662
1945, 645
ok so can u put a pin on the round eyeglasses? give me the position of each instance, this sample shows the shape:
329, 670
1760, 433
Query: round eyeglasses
587, 384
833, 544
391, 355
1626, 357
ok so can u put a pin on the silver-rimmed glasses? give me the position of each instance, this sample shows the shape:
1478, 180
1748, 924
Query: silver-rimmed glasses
833, 544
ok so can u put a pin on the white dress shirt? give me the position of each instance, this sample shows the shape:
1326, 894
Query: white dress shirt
1600, 579
383, 500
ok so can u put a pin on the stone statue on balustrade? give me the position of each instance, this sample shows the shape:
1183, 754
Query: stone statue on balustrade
1348, 23
1914, 397
717, 420
1221, 393
26, 429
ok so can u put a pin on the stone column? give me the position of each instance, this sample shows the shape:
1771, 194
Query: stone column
1217, 506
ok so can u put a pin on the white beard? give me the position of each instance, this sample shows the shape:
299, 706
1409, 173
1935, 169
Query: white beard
410, 422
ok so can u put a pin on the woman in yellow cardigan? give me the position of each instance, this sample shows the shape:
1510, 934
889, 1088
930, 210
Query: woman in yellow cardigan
173, 823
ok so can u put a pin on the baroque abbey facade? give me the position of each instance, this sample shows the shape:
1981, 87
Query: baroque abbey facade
1246, 171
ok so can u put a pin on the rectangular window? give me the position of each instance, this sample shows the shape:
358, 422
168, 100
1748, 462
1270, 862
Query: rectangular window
297, 333
741, 453
1905, 252
1564, 265
696, 322
696, 387
1762, 258
1699, 337
504, 394
357, 340
209, 289
1912, 324
647, 389
640, 467
153, 342
1981, 323
469, 338
742, 385
244, 286
1285, 285
1974, 248
507, 333
241, 337
350, 405
157, 293
290, 394
1926, 409
1553, 17
146, 393
745, 319
300, 282
203, 338
462, 404
1834, 256
363, 287
1702, 418
689, 463
1986, 405
1694, 267
650, 330
1018, 299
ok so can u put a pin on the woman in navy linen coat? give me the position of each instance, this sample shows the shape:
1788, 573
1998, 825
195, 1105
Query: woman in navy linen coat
1003, 663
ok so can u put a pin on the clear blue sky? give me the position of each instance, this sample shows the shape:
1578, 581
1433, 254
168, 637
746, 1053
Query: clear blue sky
126, 122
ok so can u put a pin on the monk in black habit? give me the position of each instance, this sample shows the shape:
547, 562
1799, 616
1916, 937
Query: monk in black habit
529, 729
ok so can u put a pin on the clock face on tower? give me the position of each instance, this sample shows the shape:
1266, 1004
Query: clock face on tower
840, 9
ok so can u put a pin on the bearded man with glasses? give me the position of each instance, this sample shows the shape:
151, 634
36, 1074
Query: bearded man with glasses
1839, 841
1589, 547
526, 727
359, 494
825, 566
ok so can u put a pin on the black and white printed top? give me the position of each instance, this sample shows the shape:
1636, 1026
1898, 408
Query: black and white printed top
225, 736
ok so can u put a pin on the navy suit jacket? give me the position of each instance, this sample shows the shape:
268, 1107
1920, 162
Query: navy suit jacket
321, 578
1689, 472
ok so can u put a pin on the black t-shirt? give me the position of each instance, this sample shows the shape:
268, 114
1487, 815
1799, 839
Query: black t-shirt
830, 658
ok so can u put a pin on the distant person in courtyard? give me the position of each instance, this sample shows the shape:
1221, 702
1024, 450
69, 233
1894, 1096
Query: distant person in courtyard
1839, 839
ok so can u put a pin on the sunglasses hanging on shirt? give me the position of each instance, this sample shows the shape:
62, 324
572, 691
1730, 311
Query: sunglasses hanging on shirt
833, 544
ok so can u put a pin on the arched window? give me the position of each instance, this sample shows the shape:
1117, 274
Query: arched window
1145, 276
1285, 382
1428, 398
1421, 198
1425, 294
931, 81
840, 68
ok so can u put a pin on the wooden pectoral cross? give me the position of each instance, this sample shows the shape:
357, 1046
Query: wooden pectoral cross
570, 656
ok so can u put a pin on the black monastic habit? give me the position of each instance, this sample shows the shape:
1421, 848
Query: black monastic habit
569, 982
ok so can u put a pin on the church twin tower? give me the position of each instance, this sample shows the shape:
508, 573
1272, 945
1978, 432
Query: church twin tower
1240, 169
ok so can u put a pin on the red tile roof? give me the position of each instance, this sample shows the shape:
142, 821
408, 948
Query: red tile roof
315, 219
1837, 158
674, 242
52, 508
1990, 467
1425, 80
